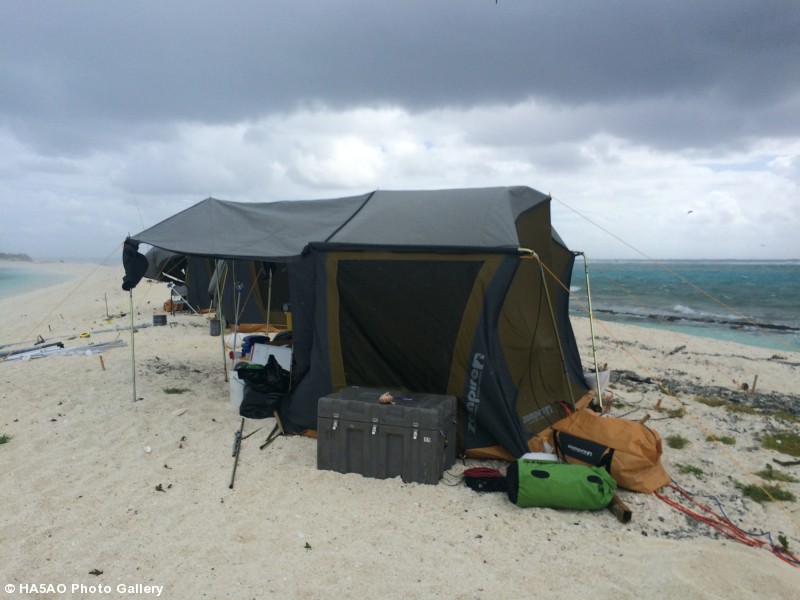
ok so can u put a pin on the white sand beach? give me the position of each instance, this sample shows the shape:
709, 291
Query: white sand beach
85, 503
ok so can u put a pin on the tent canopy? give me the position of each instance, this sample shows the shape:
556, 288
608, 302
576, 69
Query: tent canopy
420, 290
276, 231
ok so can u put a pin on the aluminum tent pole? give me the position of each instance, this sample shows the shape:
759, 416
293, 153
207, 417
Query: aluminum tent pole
221, 318
238, 287
269, 297
591, 330
133, 348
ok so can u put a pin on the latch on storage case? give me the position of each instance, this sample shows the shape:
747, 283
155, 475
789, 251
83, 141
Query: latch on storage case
374, 425
335, 421
416, 430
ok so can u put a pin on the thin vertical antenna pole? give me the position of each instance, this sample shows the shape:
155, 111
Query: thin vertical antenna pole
238, 285
221, 321
269, 297
133, 349
591, 330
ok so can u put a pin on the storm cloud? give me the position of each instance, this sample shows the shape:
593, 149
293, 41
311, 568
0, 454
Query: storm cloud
631, 114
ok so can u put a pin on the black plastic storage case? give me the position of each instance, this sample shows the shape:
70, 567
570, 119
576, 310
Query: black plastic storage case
414, 438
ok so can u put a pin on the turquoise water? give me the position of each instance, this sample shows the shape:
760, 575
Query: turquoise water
18, 279
748, 302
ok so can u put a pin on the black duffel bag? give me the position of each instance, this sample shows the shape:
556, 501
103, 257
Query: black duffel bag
264, 388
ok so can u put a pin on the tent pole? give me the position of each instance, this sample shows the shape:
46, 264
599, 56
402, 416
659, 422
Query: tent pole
269, 297
133, 349
238, 286
221, 318
591, 330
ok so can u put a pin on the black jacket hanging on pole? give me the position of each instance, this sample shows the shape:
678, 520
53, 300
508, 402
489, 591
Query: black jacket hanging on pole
135, 265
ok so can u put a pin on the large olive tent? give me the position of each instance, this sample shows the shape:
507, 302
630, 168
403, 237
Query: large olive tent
460, 292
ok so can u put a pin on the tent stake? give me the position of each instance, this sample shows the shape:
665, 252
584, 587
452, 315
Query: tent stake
620, 509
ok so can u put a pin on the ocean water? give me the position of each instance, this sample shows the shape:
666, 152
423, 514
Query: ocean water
748, 302
17, 278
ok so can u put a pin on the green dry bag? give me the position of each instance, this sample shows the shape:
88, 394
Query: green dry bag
559, 485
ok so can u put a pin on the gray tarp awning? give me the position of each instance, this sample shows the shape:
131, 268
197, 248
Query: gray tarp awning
470, 218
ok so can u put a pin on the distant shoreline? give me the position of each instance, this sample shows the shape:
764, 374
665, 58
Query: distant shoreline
777, 339
21, 277
15, 257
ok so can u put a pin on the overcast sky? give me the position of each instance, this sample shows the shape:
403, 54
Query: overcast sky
661, 129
